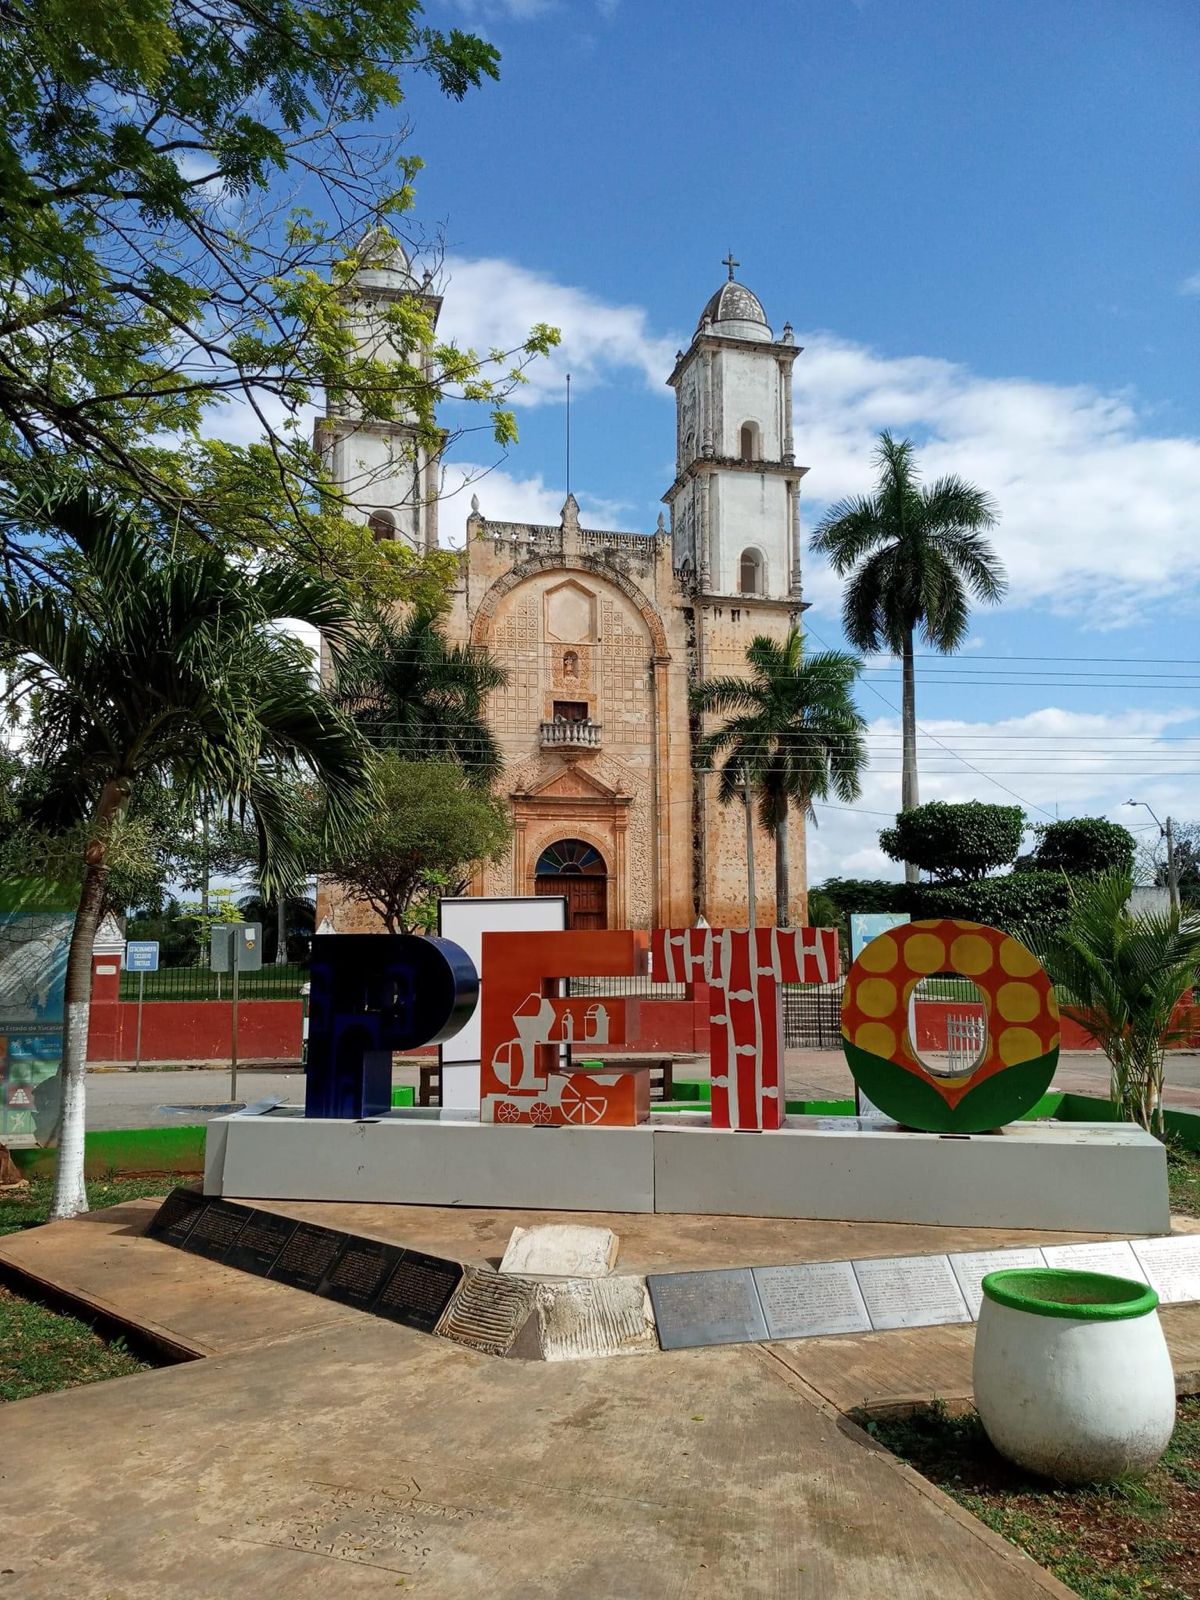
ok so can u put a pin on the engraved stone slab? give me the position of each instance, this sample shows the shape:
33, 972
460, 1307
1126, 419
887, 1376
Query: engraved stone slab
487, 1311
910, 1292
1114, 1256
418, 1290
588, 1318
1172, 1266
971, 1267
176, 1217
263, 1236
215, 1229
696, 1308
307, 1256
359, 1272
821, 1297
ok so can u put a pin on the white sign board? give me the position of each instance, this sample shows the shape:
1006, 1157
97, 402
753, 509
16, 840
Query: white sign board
465, 919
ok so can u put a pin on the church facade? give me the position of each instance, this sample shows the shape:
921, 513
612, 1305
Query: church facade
603, 634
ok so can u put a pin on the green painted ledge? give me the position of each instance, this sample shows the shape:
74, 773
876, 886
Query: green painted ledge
128, 1151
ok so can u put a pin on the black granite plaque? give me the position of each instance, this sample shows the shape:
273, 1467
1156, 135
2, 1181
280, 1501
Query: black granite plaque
308, 1256
174, 1219
359, 1272
693, 1308
263, 1236
215, 1229
418, 1290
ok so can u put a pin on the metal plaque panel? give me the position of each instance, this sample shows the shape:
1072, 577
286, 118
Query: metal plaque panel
1172, 1266
308, 1255
215, 1229
359, 1272
258, 1246
1114, 1256
418, 1290
697, 1308
910, 1292
488, 1310
971, 1267
818, 1297
177, 1215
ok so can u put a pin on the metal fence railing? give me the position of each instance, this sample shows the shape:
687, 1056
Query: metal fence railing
198, 983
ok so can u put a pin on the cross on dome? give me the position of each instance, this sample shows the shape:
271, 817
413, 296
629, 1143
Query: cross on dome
730, 263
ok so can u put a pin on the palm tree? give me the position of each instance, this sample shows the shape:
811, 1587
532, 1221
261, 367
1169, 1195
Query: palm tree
913, 553
795, 736
412, 693
1121, 975
167, 666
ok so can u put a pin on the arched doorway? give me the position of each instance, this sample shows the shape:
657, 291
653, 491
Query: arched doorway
576, 870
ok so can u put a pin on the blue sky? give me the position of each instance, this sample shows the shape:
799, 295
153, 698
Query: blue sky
981, 219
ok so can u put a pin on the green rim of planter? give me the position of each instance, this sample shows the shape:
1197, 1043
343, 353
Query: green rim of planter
1063, 1292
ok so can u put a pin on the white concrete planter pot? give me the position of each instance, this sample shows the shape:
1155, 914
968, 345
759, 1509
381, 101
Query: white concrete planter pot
1072, 1375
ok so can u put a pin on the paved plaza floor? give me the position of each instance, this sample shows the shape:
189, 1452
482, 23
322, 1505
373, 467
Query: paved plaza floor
313, 1450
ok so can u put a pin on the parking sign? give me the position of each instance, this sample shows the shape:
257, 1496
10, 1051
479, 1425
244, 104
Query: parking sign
141, 955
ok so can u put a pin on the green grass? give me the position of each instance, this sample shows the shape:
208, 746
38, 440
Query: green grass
1183, 1178
23, 1211
1135, 1538
41, 1350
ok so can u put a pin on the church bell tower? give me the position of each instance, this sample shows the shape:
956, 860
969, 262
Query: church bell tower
735, 501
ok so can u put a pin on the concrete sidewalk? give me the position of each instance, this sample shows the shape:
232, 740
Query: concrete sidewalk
354, 1457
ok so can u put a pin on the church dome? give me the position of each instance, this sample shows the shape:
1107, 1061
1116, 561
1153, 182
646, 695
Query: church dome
385, 263
737, 312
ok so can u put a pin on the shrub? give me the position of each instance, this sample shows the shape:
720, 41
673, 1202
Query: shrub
1014, 901
955, 843
1083, 846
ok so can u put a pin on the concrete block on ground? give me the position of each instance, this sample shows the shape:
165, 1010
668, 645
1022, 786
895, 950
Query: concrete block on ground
561, 1250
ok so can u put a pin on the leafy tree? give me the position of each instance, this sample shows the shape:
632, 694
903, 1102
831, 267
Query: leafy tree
411, 692
162, 666
190, 187
1012, 900
426, 825
1083, 847
1122, 976
848, 895
955, 842
914, 555
793, 730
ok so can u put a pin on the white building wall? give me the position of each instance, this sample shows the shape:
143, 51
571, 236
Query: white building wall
753, 513
750, 387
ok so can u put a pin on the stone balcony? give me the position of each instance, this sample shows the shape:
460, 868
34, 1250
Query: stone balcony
571, 738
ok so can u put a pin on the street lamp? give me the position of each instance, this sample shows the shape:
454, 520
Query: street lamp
1165, 832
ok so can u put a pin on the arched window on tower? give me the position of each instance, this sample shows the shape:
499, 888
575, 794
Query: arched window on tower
750, 448
753, 576
382, 525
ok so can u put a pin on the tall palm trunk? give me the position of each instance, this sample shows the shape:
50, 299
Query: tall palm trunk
70, 1192
782, 865
909, 798
280, 929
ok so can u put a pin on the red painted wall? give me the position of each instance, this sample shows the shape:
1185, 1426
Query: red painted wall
186, 1030
932, 1014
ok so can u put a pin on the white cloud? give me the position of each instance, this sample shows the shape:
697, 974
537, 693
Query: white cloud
1097, 514
1068, 763
492, 304
518, 10
1191, 284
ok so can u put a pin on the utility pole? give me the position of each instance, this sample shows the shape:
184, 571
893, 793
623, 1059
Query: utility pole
751, 901
1166, 831
1172, 874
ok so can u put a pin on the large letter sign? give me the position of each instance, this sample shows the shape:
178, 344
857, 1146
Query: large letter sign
372, 994
1020, 1050
744, 968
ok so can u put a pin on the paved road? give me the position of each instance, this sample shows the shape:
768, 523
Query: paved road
145, 1099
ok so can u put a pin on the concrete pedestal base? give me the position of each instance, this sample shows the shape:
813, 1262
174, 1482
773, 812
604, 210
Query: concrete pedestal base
1091, 1178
